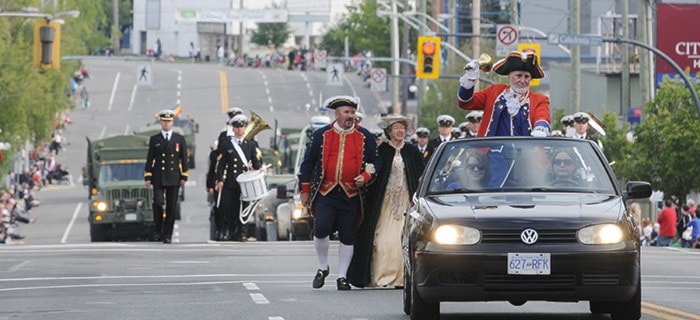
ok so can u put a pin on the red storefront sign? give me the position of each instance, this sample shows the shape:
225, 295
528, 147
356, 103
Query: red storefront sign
677, 36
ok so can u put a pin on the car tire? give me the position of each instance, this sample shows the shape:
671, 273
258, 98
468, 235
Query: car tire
631, 309
406, 292
599, 307
421, 309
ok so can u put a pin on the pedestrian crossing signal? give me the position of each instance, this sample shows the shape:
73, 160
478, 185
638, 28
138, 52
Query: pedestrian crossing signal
428, 64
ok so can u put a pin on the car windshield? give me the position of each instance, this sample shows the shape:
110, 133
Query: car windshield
526, 165
115, 172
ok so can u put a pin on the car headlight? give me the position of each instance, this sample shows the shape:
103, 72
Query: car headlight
457, 235
601, 234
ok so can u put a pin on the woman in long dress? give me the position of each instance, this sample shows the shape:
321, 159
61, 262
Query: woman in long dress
378, 259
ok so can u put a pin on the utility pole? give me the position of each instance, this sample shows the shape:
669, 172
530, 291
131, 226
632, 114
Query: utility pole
625, 90
453, 22
404, 67
115, 27
395, 63
576, 57
476, 29
514, 15
240, 36
422, 84
644, 65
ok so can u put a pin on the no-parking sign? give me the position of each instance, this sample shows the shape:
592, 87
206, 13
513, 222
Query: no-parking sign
507, 37
377, 79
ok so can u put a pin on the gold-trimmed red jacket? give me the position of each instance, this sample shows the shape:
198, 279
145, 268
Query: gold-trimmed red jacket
335, 158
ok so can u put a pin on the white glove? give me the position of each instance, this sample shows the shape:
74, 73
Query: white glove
539, 132
468, 79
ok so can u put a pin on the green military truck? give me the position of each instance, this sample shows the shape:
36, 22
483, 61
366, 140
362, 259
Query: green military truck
120, 204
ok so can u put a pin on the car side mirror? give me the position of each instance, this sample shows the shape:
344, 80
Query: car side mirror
638, 190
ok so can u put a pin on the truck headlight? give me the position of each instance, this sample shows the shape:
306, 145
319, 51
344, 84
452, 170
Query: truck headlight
456, 235
100, 205
601, 234
298, 211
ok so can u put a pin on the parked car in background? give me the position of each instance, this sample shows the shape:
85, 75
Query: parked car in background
521, 219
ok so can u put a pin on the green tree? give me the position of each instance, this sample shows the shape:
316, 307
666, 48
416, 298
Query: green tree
364, 29
666, 145
31, 99
271, 34
616, 147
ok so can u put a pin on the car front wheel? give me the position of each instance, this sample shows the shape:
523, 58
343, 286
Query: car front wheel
421, 309
631, 309
406, 292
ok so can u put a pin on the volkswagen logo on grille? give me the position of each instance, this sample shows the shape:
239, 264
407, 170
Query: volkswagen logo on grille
529, 236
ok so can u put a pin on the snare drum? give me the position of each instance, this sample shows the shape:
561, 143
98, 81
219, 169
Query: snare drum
253, 186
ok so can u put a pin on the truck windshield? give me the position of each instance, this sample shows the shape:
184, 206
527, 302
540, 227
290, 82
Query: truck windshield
114, 172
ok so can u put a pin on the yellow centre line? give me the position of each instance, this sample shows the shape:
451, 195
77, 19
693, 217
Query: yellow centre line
223, 87
684, 315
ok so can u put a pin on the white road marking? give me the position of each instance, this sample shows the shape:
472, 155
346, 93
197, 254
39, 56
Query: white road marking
114, 90
133, 96
72, 221
275, 318
126, 131
250, 286
102, 133
259, 298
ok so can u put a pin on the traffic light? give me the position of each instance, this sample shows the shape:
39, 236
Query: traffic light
428, 64
47, 44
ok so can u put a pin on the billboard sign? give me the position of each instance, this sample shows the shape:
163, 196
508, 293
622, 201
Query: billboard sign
677, 36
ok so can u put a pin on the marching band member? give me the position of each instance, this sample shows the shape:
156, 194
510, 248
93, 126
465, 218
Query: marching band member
237, 156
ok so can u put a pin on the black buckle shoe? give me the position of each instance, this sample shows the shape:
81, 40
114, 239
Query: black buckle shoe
320, 278
343, 284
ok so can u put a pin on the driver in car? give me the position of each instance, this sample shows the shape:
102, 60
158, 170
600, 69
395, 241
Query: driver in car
564, 169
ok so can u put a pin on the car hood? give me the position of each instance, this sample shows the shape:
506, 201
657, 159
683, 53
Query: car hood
525, 206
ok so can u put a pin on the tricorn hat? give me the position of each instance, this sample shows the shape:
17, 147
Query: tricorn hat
339, 101
519, 61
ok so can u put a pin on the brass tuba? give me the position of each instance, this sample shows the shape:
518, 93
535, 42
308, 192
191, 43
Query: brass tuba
595, 125
255, 125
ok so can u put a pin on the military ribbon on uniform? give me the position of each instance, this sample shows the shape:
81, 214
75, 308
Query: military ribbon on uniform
177, 147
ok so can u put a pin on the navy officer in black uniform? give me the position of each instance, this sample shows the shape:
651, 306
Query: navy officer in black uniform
238, 155
165, 169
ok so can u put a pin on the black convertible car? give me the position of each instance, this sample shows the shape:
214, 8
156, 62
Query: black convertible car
519, 219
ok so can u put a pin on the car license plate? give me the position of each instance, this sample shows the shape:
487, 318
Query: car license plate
130, 217
529, 263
